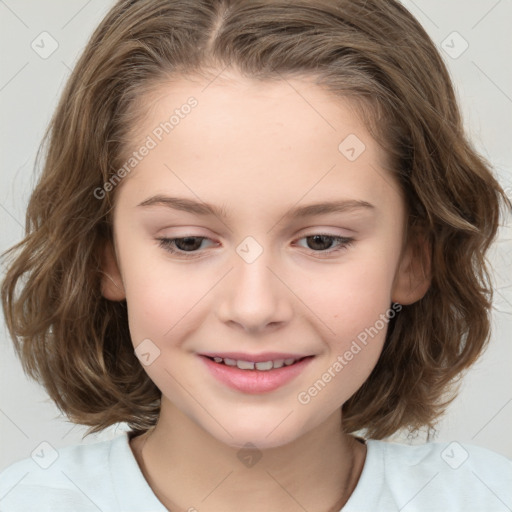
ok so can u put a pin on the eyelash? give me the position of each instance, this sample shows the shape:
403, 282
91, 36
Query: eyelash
167, 245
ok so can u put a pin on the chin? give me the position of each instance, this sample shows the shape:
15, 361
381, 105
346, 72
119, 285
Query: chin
256, 438
263, 433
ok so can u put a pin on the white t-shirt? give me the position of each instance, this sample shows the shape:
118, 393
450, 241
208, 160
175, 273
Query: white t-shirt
104, 476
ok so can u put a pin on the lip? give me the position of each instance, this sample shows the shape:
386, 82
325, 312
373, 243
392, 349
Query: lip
255, 381
255, 358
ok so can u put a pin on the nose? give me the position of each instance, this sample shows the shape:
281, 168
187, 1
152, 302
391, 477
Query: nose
254, 297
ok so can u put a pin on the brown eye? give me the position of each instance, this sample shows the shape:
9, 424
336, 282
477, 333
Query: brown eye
322, 244
185, 246
189, 243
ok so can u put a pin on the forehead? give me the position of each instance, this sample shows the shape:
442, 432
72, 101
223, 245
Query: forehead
236, 102
279, 139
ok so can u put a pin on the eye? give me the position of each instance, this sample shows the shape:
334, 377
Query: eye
319, 244
186, 246
322, 243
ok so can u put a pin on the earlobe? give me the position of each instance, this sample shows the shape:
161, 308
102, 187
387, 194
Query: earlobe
413, 277
111, 283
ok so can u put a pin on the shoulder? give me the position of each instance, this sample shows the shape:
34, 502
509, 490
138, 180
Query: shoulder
434, 476
456, 475
454, 455
57, 480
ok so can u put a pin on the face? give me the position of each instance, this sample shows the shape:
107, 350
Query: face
263, 228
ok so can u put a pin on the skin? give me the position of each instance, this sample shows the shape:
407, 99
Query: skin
258, 150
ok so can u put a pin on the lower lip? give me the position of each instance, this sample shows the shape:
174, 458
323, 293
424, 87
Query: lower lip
255, 381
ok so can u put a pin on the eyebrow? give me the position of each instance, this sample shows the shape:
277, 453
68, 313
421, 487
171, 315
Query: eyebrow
201, 208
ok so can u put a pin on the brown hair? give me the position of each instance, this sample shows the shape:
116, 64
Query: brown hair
76, 343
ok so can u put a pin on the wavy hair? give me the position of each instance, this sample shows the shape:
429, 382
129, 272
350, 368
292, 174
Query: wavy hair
77, 343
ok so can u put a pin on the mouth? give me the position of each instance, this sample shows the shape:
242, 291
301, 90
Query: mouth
263, 366
255, 374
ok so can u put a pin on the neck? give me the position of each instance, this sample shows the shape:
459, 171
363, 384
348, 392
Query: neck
189, 469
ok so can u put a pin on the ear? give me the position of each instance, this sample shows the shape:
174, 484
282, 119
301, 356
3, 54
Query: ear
111, 282
413, 277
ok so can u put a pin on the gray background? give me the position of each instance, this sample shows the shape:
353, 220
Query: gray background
29, 89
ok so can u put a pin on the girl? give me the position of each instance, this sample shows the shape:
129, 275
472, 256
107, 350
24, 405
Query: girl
258, 240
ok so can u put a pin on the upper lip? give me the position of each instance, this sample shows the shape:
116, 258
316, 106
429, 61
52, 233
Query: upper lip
256, 358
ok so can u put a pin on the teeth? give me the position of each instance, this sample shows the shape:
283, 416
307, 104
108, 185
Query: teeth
245, 365
267, 365
249, 365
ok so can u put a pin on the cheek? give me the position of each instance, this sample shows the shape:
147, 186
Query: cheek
159, 304
353, 295
355, 305
158, 294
